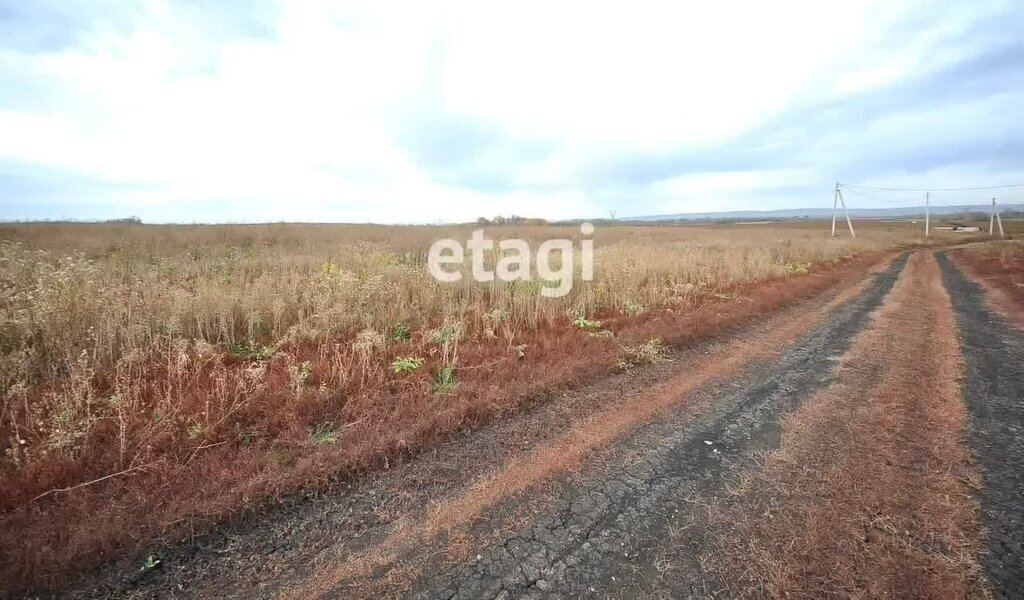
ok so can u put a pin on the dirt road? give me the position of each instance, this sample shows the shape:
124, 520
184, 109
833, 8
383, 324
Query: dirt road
866, 440
994, 392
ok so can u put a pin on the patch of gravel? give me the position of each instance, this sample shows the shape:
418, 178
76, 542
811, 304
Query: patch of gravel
993, 388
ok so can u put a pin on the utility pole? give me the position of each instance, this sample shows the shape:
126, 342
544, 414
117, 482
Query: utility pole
999, 221
992, 219
842, 202
927, 213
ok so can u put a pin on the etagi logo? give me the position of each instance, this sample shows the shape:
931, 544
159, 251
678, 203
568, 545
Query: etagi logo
514, 261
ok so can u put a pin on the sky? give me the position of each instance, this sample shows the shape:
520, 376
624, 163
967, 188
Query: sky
250, 111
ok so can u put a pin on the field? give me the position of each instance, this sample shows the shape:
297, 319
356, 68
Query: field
158, 379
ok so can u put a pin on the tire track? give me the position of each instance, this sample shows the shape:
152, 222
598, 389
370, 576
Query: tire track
869, 494
596, 539
997, 290
994, 392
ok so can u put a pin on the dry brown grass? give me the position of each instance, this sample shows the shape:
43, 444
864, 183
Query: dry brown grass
112, 291
447, 519
869, 494
123, 415
999, 268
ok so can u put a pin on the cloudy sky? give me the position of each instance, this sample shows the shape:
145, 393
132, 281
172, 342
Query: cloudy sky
194, 111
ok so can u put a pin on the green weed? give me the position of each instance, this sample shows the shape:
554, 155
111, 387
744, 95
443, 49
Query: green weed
584, 324
443, 382
324, 433
406, 364
400, 333
250, 351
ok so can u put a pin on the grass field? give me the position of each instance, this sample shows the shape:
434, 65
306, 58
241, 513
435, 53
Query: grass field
157, 374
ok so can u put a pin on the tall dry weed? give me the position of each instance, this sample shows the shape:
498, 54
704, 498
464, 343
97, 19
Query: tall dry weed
122, 335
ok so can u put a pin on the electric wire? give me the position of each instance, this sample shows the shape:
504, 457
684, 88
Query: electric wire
966, 189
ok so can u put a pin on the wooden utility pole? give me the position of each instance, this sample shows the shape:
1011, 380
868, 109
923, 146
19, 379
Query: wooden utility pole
927, 213
992, 219
842, 202
999, 220
837, 200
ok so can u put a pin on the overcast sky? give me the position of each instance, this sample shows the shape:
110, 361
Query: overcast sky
196, 111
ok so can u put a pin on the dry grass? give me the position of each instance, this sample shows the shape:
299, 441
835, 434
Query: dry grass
869, 494
566, 453
121, 399
112, 291
999, 268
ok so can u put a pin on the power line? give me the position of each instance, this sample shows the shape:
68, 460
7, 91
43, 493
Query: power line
847, 185
936, 200
878, 199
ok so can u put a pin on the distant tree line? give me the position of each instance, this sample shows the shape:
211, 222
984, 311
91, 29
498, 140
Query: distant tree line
127, 220
512, 220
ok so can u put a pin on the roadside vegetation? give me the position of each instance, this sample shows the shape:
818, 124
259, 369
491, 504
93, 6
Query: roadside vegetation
152, 376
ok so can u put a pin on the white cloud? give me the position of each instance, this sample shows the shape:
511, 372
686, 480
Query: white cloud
647, 75
306, 123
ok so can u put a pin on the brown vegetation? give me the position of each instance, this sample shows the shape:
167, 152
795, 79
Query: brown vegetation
158, 378
448, 519
999, 268
869, 493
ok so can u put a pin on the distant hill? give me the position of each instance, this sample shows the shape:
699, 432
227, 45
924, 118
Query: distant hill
825, 213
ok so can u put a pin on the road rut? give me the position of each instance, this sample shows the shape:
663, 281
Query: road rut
994, 391
592, 541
